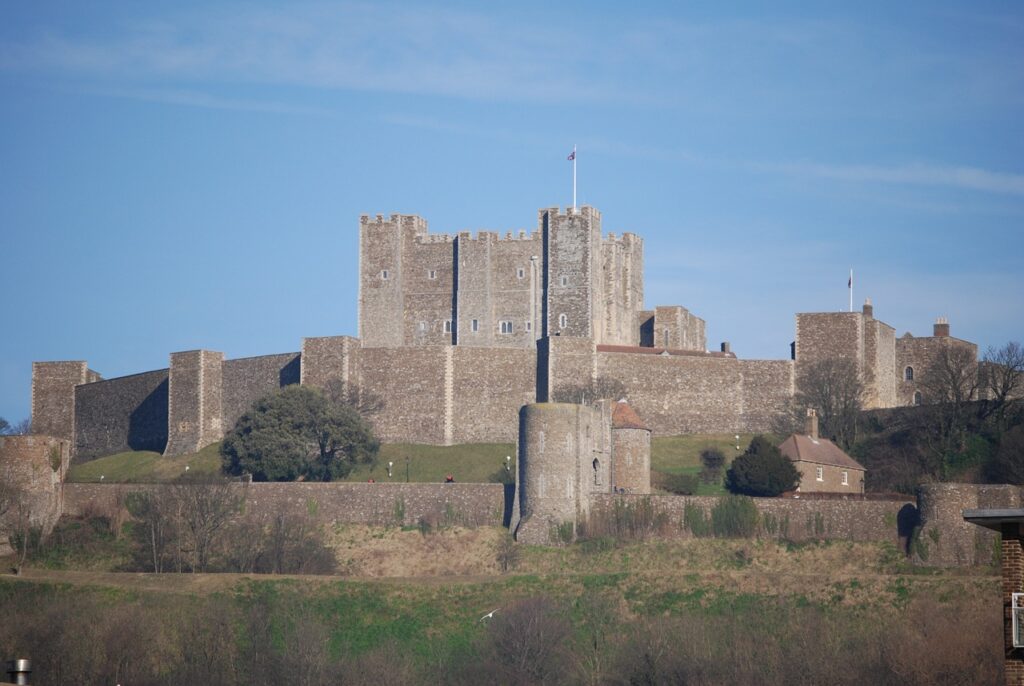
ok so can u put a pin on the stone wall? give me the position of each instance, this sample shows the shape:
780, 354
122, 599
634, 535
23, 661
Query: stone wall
195, 416
794, 519
343, 503
413, 383
945, 539
35, 465
117, 415
631, 449
487, 388
677, 328
248, 379
920, 354
53, 396
706, 393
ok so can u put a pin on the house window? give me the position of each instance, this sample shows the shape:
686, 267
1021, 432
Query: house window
432, 274
384, 274
917, 397
820, 473
474, 325
908, 374
529, 326
447, 325
506, 327
565, 280
520, 273
563, 321
846, 478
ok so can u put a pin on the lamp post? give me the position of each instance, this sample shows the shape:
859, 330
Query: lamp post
390, 465
508, 463
406, 469
737, 441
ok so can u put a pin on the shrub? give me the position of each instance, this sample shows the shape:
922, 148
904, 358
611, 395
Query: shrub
679, 484
696, 520
734, 516
761, 471
712, 461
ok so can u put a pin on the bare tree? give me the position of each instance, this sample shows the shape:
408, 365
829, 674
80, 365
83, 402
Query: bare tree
834, 388
1003, 377
5, 427
205, 510
950, 383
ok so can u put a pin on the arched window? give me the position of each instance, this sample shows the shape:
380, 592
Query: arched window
597, 472
917, 397
908, 374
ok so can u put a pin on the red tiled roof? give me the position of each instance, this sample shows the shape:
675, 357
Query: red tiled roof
643, 350
625, 417
801, 448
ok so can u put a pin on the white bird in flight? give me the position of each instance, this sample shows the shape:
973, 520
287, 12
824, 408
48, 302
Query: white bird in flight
489, 615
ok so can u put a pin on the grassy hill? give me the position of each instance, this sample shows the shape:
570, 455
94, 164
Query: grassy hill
410, 606
471, 463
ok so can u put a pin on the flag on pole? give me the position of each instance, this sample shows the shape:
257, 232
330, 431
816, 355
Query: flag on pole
572, 156
849, 284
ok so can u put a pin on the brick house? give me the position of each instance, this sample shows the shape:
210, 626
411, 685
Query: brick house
823, 466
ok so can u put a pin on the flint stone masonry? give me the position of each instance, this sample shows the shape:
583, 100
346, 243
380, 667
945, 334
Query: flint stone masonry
920, 354
797, 519
117, 415
248, 379
36, 464
946, 540
195, 411
53, 396
343, 503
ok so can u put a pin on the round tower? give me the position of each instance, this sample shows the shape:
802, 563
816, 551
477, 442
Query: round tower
631, 451
547, 484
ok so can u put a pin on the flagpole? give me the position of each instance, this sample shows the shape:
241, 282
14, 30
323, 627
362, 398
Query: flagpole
851, 290
574, 177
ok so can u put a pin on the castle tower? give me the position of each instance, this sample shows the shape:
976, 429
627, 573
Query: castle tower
564, 457
53, 396
572, 266
631, 451
195, 414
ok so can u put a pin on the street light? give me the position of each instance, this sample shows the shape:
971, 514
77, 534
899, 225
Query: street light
390, 465
508, 463
406, 469
737, 441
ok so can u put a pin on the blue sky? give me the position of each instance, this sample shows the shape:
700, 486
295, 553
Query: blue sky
191, 175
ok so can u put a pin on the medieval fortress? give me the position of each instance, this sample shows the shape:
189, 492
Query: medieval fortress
458, 332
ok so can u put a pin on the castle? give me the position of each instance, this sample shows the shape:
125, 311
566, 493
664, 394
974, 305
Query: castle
458, 332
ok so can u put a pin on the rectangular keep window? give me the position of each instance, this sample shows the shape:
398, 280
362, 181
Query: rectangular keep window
447, 325
820, 473
506, 327
846, 478
565, 280
520, 273
474, 325
432, 274
529, 326
423, 327
384, 274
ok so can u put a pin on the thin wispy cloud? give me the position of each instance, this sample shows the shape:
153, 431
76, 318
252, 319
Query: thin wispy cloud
970, 178
192, 98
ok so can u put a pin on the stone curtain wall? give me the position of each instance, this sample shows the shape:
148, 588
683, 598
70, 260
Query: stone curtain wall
247, 380
343, 503
195, 410
117, 415
679, 394
412, 383
945, 539
921, 353
795, 519
488, 386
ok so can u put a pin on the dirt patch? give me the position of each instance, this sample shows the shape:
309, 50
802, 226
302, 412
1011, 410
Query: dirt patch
374, 552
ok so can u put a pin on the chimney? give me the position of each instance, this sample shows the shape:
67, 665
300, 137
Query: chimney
941, 329
726, 348
812, 423
869, 309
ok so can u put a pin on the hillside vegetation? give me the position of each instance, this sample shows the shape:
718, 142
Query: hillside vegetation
409, 610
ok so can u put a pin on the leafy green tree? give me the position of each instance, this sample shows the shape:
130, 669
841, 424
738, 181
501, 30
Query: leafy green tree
761, 471
298, 434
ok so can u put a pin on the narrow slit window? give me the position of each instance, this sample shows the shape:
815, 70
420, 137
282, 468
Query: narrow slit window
520, 273
384, 274
563, 321
432, 274
474, 325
